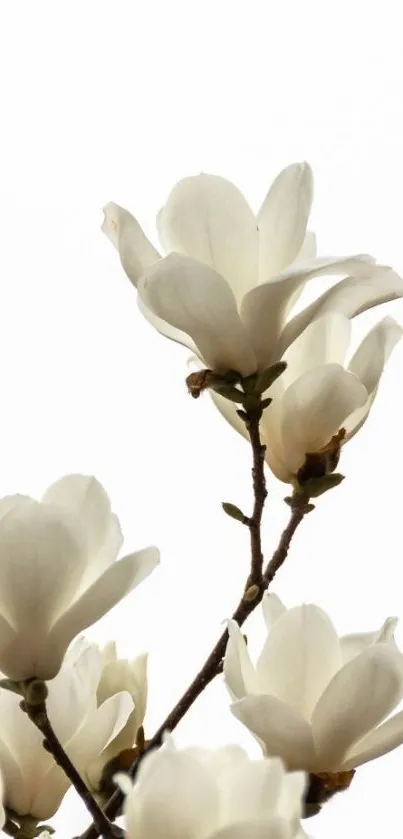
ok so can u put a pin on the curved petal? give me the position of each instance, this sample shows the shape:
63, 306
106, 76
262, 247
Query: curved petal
354, 644
307, 251
239, 672
86, 499
272, 827
368, 363
324, 341
278, 726
369, 285
371, 356
359, 697
228, 410
135, 250
15, 794
264, 308
165, 328
282, 219
315, 407
272, 608
208, 219
194, 298
379, 742
99, 598
163, 814
42, 560
72, 693
24, 744
299, 658
261, 788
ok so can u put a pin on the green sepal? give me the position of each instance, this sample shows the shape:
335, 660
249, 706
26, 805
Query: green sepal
233, 511
317, 486
229, 392
14, 687
267, 377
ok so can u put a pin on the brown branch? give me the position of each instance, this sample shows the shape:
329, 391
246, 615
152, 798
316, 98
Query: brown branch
252, 421
213, 664
34, 705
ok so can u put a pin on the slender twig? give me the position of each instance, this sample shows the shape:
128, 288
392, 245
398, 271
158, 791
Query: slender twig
252, 420
213, 664
34, 705
299, 510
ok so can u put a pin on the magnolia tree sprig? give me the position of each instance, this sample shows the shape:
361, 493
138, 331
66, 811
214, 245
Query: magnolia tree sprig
226, 290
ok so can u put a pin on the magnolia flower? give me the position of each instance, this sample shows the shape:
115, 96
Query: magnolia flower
58, 572
33, 783
120, 675
316, 700
319, 393
231, 279
220, 794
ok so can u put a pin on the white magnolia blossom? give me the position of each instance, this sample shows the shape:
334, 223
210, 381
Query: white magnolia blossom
316, 700
231, 278
320, 392
33, 784
58, 572
120, 675
206, 794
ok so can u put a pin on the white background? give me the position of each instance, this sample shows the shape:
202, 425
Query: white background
116, 101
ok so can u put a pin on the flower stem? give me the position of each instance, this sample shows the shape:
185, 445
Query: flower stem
34, 705
252, 420
213, 664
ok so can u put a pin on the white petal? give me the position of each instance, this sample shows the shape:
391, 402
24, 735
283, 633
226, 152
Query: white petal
228, 410
207, 218
15, 793
299, 658
165, 328
282, 219
85, 498
265, 307
101, 596
272, 608
314, 409
307, 251
354, 644
359, 697
239, 672
255, 790
165, 814
324, 341
372, 354
369, 285
72, 694
135, 250
368, 364
23, 742
379, 742
273, 827
42, 559
278, 726
194, 298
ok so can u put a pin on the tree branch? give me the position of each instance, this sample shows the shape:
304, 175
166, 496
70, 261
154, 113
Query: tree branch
34, 705
252, 419
213, 664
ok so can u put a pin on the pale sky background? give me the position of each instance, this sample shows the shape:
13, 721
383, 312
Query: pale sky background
106, 101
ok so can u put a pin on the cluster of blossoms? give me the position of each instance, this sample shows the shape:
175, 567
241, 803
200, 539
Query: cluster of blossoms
318, 705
